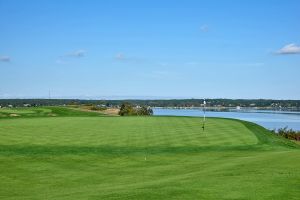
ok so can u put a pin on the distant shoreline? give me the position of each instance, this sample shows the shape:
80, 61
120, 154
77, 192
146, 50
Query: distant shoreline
212, 108
211, 104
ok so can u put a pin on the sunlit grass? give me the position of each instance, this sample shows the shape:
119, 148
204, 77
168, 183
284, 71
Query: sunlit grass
84, 157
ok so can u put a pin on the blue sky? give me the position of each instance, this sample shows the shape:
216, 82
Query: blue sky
150, 49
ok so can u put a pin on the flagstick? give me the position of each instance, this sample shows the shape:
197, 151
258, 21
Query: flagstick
204, 104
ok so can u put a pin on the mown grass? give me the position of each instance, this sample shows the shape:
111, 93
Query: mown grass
88, 157
50, 111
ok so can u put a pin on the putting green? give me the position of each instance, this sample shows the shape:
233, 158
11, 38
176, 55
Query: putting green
144, 158
135, 132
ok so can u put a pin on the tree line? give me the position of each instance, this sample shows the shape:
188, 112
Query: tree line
259, 103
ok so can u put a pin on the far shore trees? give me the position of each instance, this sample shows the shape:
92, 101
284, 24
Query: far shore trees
128, 109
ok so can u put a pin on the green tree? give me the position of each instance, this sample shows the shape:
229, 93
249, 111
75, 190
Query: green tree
145, 111
126, 109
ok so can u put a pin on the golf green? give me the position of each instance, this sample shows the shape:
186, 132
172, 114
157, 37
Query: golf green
101, 157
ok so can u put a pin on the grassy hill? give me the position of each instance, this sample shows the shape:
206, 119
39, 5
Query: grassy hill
79, 155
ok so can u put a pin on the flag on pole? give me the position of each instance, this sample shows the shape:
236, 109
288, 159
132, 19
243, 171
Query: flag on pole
204, 105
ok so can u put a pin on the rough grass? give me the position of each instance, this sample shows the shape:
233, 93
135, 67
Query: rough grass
86, 157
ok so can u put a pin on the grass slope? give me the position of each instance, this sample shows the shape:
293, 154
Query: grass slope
85, 157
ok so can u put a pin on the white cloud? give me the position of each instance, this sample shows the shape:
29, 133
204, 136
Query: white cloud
289, 49
67, 57
4, 59
204, 28
120, 56
78, 53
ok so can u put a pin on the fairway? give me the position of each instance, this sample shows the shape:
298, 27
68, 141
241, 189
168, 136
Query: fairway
101, 157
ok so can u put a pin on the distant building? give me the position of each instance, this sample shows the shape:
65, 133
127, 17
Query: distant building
238, 107
101, 106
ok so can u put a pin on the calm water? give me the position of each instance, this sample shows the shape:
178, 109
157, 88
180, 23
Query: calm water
266, 118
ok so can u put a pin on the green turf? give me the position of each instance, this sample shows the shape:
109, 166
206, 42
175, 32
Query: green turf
43, 112
89, 157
